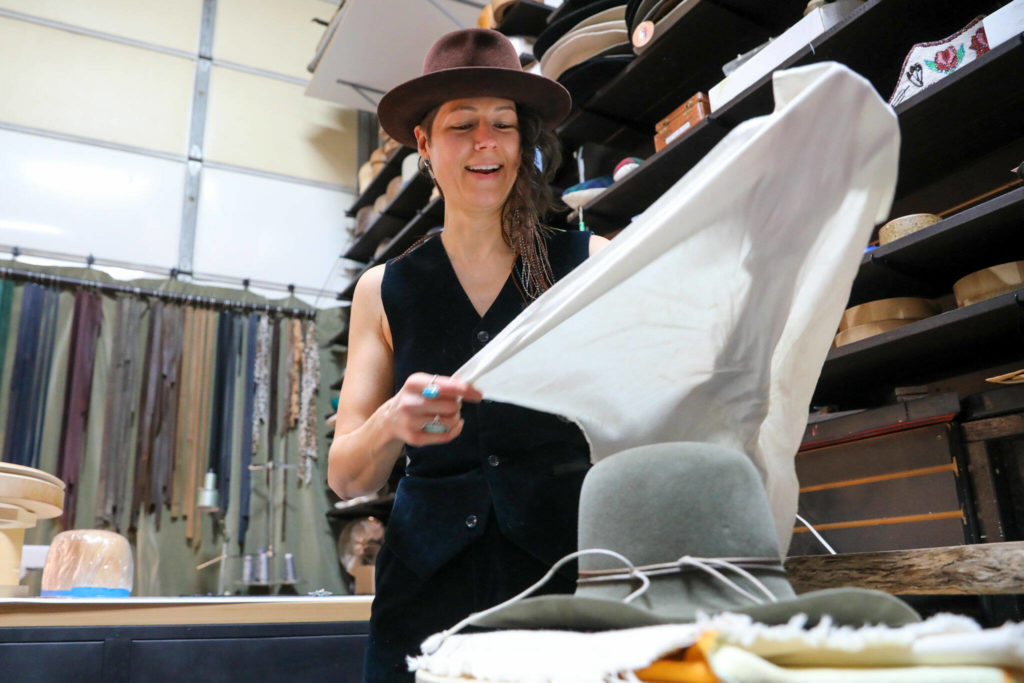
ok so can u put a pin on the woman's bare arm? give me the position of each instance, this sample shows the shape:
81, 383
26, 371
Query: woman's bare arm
373, 423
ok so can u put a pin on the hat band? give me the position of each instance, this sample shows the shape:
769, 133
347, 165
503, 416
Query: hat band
688, 563
708, 565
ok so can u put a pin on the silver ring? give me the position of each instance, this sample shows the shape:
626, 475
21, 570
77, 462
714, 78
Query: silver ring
435, 426
431, 390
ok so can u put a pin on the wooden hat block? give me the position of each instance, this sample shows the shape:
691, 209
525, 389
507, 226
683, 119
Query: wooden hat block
26, 496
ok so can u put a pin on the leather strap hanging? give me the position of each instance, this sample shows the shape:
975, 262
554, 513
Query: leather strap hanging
6, 301
294, 372
200, 457
120, 415
41, 374
185, 401
228, 341
142, 498
252, 333
18, 408
165, 414
307, 417
85, 332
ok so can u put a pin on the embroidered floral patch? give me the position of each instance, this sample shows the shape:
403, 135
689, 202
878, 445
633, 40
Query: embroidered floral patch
947, 60
979, 42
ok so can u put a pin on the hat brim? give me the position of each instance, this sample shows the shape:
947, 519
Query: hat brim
558, 28
403, 107
586, 78
845, 606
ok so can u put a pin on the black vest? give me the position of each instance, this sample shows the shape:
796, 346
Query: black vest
523, 466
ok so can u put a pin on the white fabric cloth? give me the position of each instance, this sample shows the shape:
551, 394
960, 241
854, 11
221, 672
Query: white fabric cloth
570, 657
708, 319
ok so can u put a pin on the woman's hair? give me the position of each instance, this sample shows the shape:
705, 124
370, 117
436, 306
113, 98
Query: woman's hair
529, 199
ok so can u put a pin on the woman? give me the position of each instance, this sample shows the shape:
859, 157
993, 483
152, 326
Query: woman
489, 499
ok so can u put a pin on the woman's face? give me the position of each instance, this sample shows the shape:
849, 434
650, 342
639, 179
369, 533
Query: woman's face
473, 150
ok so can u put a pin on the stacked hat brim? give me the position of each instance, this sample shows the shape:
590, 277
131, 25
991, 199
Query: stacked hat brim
586, 78
843, 606
594, 31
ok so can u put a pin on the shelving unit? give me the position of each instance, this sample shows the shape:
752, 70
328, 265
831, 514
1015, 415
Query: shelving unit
392, 168
405, 235
974, 337
924, 119
402, 208
928, 262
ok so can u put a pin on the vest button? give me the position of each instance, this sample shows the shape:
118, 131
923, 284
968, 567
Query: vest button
483, 336
493, 460
471, 521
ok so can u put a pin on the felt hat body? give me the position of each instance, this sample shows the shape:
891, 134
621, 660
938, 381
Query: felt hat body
591, 13
656, 504
580, 45
469, 63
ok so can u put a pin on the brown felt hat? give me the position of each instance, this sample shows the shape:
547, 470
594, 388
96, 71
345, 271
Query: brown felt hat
471, 62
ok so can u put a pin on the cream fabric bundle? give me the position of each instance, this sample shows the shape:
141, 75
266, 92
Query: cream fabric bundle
943, 648
708, 319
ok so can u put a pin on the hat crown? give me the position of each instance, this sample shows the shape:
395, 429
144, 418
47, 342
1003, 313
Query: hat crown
657, 503
473, 47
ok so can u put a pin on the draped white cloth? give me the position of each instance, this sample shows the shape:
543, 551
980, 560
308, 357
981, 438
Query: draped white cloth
943, 649
708, 319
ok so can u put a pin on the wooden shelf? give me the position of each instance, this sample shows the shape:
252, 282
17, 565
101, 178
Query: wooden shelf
928, 262
971, 338
392, 169
525, 18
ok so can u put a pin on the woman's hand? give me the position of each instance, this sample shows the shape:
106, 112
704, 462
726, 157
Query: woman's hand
426, 410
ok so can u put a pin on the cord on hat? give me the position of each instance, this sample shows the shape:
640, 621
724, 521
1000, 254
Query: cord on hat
431, 644
708, 565
705, 564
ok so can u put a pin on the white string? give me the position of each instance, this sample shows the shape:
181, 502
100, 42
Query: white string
816, 535
431, 644
700, 563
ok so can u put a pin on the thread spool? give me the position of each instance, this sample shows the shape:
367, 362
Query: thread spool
206, 500
263, 567
289, 568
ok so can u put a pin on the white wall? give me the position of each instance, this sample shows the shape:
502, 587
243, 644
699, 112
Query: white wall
95, 118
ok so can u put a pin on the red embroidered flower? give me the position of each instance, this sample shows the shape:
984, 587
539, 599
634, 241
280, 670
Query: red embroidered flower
979, 42
946, 60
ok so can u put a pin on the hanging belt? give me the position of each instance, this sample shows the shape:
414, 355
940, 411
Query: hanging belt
165, 410
228, 339
206, 369
185, 399
41, 373
295, 373
142, 499
247, 426
121, 380
85, 332
6, 300
18, 414
308, 420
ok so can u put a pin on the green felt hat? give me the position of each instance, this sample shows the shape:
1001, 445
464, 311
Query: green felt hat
656, 504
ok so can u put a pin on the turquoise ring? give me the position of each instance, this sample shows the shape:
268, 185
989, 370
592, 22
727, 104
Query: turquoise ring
435, 426
431, 390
